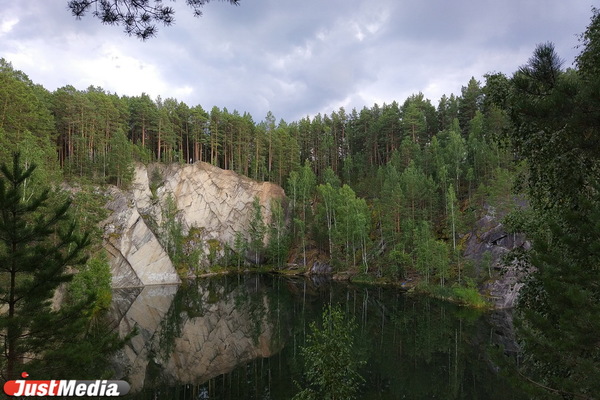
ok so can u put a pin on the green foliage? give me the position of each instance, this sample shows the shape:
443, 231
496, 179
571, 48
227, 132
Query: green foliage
257, 231
470, 102
88, 210
171, 234
554, 118
486, 263
91, 126
559, 305
398, 263
430, 255
301, 186
93, 281
156, 181
347, 221
417, 190
34, 150
240, 246
192, 250
27, 126
453, 214
330, 177
464, 295
390, 201
397, 159
279, 243
545, 96
214, 248
38, 244
330, 359
120, 160
184, 250
469, 296
422, 251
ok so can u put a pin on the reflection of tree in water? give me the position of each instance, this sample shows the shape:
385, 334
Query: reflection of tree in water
195, 298
250, 298
415, 347
210, 326
429, 349
191, 301
419, 347
427, 352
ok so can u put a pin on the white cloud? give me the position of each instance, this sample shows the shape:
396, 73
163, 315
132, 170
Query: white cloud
291, 59
7, 24
116, 71
184, 91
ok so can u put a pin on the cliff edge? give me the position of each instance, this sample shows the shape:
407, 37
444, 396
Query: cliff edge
217, 203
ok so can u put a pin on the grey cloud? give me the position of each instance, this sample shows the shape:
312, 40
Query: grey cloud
303, 58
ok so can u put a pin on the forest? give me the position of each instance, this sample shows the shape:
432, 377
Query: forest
389, 191
382, 189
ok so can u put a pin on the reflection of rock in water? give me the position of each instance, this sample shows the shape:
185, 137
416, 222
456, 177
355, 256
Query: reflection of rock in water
503, 334
320, 280
192, 335
144, 313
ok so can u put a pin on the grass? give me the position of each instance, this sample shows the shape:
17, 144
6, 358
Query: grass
464, 295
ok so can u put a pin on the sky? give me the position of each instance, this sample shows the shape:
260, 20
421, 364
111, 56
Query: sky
295, 59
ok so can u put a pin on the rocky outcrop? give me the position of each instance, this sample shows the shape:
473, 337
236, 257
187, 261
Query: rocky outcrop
321, 268
218, 203
486, 246
135, 254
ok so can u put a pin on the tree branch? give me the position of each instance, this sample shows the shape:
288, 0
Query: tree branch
137, 16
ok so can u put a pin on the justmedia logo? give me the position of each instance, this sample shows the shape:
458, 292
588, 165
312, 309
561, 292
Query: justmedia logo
65, 388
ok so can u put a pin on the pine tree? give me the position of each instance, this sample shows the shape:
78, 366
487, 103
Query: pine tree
554, 115
120, 160
37, 245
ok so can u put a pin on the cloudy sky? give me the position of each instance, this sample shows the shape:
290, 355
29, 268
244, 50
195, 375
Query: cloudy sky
294, 58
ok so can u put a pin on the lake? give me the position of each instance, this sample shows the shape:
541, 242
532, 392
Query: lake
240, 337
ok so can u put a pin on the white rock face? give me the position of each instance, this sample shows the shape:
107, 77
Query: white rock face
135, 254
216, 201
220, 201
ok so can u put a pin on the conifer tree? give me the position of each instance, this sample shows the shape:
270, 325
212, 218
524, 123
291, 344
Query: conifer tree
120, 160
39, 243
554, 117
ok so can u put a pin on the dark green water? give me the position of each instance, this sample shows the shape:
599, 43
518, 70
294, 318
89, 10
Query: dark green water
239, 337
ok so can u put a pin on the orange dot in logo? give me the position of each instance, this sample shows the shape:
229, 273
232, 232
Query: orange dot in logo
25, 374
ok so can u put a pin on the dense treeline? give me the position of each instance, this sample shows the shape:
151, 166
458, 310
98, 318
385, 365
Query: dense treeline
388, 191
391, 186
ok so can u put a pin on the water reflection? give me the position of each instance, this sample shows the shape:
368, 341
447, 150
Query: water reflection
192, 333
239, 337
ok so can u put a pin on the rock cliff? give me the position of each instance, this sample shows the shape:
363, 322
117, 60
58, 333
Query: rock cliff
215, 202
486, 246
